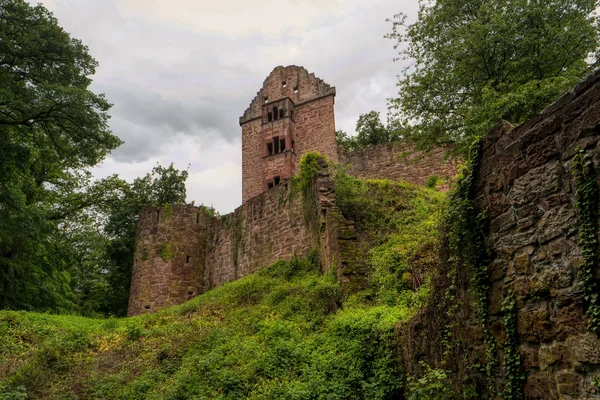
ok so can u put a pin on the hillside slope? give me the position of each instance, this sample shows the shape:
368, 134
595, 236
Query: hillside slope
284, 332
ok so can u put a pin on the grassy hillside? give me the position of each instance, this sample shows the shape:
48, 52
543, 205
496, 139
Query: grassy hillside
285, 332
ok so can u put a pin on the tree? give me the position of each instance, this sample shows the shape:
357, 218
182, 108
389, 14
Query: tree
476, 62
370, 132
51, 128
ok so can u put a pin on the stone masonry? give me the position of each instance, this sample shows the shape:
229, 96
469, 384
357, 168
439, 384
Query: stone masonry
291, 115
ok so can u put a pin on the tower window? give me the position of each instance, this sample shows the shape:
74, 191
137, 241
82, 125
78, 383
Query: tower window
293, 145
292, 114
277, 180
157, 215
276, 145
270, 185
197, 218
284, 84
281, 113
188, 259
266, 99
296, 90
282, 145
270, 149
275, 113
269, 117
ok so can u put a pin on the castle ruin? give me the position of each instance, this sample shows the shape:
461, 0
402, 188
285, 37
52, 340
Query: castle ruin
184, 250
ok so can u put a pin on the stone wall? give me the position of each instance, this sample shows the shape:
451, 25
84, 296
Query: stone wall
399, 161
525, 186
180, 234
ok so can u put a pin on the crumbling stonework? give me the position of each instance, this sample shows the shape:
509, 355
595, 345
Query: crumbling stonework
525, 186
399, 161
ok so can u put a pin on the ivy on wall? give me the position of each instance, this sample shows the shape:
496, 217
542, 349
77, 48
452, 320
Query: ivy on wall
586, 194
512, 354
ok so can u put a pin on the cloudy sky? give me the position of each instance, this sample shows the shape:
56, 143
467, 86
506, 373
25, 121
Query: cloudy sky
181, 72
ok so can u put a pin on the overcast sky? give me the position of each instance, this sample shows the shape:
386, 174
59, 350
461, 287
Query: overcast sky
181, 72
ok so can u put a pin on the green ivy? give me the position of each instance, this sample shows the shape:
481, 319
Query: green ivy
512, 354
168, 211
166, 252
587, 206
467, 251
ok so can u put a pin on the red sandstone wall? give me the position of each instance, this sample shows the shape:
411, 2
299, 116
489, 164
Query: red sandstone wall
252, 153
265, 229
315, 128
155, 282
313, 124
398, 161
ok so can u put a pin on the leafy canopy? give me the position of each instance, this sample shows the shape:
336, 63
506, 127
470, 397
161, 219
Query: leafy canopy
475, 62
370, 131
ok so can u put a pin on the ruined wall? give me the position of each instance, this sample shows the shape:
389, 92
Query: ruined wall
267, 228
525, 186
170, 252
399, 161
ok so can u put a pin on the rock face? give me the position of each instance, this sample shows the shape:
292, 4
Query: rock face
525, 186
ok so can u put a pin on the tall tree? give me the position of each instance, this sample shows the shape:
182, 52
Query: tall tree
475, 62
51, 128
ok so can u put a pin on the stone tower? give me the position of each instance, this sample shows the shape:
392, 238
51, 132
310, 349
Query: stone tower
292, 114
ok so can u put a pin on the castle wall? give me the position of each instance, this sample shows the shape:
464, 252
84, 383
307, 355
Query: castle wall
525, 186
252, 156
265, 229
179, 233
399, 161
315, 128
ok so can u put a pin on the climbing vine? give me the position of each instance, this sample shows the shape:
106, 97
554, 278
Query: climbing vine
467, 251
512, 354
167, 211
587, 205
304, 182
238, 242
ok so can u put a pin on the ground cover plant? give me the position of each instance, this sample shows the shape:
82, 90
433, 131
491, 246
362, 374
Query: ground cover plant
283, 332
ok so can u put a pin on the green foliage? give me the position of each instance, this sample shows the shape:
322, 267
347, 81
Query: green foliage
432, 181
52, 127
370, 131
474, 63
166, 251
432, 385
512, 355
587, 209
280, 333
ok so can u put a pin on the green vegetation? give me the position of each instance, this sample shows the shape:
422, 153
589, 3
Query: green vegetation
370, 131
476, 62
587, 210
284, 332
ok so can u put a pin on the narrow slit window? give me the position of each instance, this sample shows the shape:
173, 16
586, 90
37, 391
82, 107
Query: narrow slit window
282, 145
275, 113
270, 148
281, 113
188, 259
269, 117
277, 180
157, 215
266, 99
296, 90
293, 145
197, 218
284, 84
276, 145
